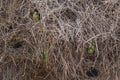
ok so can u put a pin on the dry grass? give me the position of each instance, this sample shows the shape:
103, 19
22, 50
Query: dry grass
65, 30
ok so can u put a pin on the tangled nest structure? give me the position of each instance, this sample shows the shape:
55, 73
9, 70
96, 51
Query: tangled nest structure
65, 30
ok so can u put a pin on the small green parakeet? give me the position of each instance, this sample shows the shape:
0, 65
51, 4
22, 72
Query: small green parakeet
44, 54
36, 16
91, 49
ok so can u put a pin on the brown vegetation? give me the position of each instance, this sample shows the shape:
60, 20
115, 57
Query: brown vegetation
65, 30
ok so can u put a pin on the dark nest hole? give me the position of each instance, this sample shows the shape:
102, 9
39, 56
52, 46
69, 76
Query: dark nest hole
21, 47
18, 44
92, 72
21, 43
